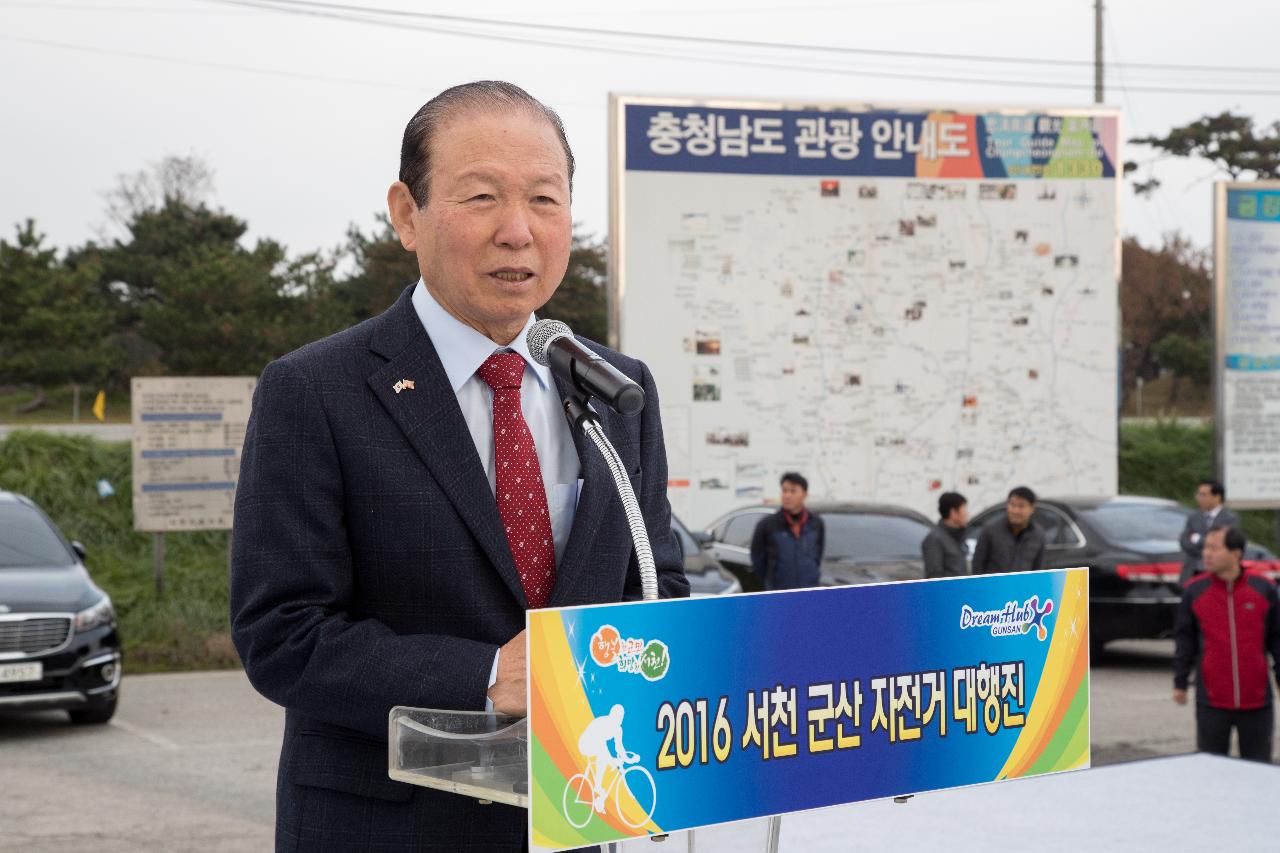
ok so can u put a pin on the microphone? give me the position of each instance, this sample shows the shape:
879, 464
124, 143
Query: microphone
552, 344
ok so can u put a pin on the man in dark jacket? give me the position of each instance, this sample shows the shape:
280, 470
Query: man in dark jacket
1210, 496
1013, 543
375, 560
943, 549
786, 550
1228, 621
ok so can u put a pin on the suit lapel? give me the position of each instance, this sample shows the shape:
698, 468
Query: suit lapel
598, 498
429, 416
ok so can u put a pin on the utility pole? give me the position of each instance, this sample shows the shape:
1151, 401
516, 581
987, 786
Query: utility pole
1097, 51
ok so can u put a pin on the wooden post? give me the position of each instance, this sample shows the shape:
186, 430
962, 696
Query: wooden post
158, 550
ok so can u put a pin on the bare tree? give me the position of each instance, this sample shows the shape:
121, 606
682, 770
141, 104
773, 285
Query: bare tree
187, 181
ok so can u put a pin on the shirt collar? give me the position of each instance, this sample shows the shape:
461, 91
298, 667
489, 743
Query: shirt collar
461, 348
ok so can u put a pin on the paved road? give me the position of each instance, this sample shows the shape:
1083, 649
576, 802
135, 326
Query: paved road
189, 762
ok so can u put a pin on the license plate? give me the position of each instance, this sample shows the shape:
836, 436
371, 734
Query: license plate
11, 672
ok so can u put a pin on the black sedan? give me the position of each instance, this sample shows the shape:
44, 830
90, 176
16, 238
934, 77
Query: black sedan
1130, 546
58, 643
865, 543
706, 575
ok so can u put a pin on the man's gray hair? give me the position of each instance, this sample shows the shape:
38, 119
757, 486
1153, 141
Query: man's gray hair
482, 96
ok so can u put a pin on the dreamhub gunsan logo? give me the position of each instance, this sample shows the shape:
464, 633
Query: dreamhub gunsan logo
1013, 620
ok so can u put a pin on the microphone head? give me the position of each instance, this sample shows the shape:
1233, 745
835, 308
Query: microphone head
541, 336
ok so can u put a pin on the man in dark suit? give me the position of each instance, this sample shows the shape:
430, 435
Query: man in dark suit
380, 552
1210, 497
1012, 542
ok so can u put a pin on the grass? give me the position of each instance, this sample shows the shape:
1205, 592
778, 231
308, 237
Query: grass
59, 406
1167, 459
189, 627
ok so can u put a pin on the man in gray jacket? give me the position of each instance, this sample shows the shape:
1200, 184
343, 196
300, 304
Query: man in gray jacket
1013, 543
943, 549
1210, 496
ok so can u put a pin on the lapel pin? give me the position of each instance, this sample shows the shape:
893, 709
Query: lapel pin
403, 385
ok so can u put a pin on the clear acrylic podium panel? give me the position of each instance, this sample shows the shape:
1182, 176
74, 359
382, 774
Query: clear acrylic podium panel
472, 753
485, 756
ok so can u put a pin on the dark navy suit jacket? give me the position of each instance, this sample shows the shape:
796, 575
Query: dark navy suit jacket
370, 568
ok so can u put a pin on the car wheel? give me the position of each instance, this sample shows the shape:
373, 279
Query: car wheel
94, 714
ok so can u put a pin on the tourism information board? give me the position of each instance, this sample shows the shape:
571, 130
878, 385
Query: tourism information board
1247, 271
646, 718
187, 436
893, 301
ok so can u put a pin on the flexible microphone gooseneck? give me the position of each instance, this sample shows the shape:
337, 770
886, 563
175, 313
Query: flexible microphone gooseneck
552, 344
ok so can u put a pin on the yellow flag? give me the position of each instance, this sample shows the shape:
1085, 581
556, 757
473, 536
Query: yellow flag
100, 407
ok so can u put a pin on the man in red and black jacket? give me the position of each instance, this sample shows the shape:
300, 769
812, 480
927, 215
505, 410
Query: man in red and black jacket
1228, 621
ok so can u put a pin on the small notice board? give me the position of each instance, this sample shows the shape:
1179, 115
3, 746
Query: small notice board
187, 436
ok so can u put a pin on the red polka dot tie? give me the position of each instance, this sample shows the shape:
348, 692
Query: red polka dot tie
522, 497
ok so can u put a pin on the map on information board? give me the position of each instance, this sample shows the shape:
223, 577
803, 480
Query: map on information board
1247, 269
895, 303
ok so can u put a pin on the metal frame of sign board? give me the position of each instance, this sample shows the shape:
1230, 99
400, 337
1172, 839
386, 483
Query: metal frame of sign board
615, 292
1219, 308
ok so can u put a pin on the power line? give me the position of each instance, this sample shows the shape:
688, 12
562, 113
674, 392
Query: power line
221, 66
98, 7
1162, 211
793, 67
273, 5
595, 13
615, 50
288, 5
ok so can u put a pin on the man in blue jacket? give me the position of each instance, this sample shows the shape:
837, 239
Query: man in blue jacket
786, 550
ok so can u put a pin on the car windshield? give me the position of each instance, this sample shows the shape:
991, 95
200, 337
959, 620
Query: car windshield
870, 537
27, 541
1126, 522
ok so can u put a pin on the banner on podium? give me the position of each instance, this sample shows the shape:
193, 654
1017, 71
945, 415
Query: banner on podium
647, 718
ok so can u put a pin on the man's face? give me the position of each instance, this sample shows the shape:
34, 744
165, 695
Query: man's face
493, 240
959, 516
1217, 558
793, 497
1019, 511
1206, 499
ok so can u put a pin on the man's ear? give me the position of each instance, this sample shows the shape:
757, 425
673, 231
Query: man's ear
401, 207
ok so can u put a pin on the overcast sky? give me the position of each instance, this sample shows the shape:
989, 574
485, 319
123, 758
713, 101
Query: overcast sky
301, 116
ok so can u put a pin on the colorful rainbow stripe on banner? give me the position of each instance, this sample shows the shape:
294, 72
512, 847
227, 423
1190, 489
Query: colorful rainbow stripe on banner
647, 718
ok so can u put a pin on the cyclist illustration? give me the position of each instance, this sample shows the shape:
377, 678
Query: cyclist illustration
586, 793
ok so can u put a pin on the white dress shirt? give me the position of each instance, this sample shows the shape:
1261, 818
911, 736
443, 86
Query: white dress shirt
462, 350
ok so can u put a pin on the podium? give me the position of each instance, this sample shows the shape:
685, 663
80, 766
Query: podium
719, 715
485, 756
736, 710
473, 753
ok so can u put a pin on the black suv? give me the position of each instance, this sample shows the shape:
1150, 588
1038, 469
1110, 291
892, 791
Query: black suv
58, 642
